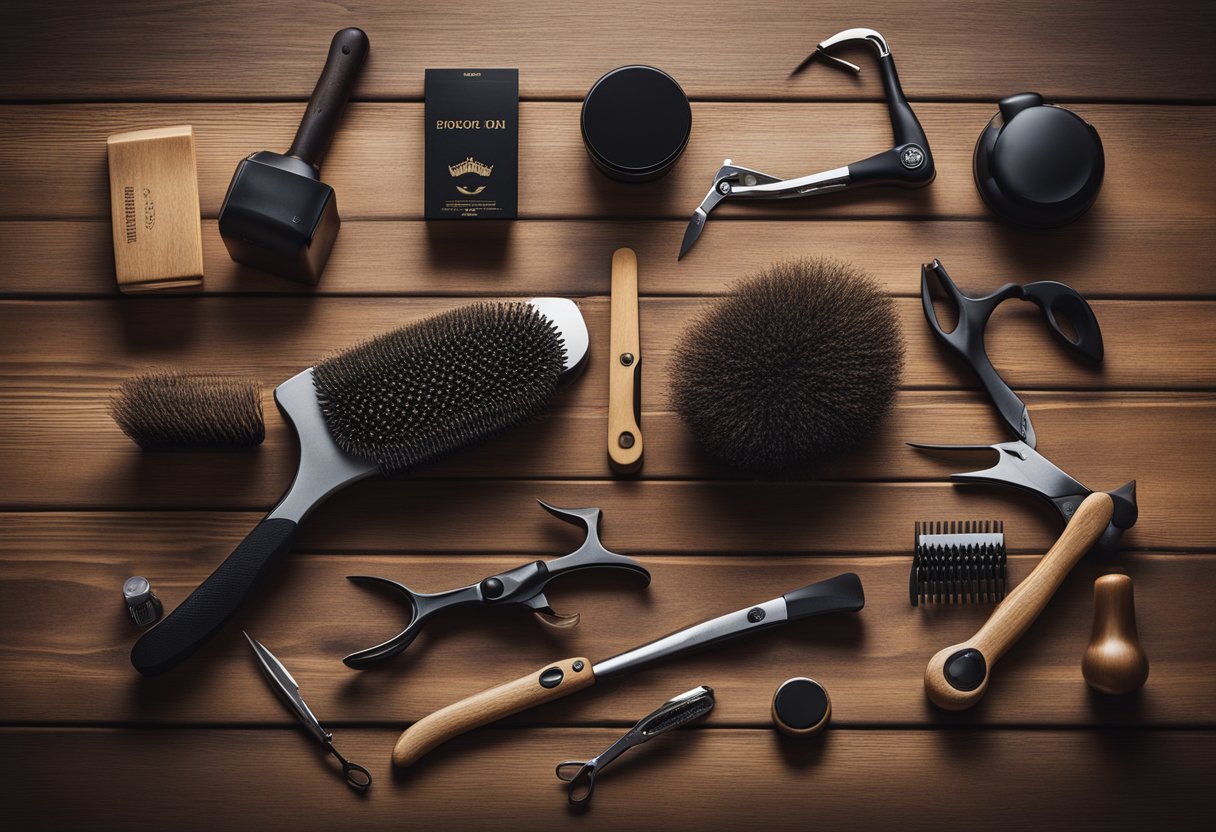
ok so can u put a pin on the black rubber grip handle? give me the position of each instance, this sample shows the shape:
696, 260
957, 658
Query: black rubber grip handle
840, 594
903, 121
208, 608
347, 53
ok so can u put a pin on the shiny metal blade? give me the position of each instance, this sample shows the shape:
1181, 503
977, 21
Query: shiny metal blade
286, 687
755, 617
695, 226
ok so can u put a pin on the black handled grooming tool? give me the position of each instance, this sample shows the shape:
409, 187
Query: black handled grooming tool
278, 215
387, 406
1037, 164
1057, 300
674, 713
522, 586
908, 164
958, 562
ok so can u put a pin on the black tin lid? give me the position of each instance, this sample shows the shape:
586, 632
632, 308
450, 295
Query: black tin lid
636, 121
1038, 164
801, 706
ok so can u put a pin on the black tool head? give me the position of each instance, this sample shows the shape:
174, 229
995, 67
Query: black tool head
279, 217
418, 392
801, 362
958, 562
176, 412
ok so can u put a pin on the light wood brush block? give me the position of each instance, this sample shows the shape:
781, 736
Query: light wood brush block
154, 209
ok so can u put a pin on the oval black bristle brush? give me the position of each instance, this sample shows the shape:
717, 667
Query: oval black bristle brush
800, 363
387, 406
181, 412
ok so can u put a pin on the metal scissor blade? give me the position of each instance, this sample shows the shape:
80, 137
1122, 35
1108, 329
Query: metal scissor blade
695, 226
1020, 466
286, 687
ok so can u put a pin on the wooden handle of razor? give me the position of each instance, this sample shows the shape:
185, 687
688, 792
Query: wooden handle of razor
550, 682
957, 676
625, 367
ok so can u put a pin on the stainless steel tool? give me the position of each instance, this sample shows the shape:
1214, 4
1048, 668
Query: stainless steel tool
674, 713
840, 594
522, 586
357, 777
908, 164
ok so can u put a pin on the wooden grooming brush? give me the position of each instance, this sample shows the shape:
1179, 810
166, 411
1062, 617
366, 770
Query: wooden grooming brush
182, 412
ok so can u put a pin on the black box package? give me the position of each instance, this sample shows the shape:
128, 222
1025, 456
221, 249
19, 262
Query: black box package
472, 143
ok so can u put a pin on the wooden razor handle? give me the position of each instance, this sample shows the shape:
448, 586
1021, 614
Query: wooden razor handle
625, 367
550, 682
957, 677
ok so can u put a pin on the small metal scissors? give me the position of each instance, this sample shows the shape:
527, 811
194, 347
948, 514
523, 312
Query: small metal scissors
523, 585
357, 777
673, 713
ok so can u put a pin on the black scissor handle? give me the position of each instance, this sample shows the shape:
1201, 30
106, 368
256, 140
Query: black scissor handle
357, 777
1059, 299
422, 607
580, 775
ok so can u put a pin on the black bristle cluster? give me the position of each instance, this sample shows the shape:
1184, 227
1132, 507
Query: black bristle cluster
421, 391
958, 562
181, 412
802, 362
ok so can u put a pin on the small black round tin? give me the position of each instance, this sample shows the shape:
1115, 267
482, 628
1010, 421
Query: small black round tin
636, 121
801, 707
1037, 164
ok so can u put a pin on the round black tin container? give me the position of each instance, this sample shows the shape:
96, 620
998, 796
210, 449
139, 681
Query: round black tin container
636, 122
1037, 164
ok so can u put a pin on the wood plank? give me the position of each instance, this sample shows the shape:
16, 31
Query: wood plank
66, 344
1111, 259
375, 164
693, 778
80, 459
1120, 49
872, 662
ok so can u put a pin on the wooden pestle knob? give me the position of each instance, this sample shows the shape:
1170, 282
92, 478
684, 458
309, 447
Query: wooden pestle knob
1115, 662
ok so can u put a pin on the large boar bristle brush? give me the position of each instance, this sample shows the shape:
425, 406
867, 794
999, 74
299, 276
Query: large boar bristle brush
387, 406
800, 363
175, 411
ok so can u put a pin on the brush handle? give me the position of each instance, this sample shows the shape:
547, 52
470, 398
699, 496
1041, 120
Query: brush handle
957, 677
216, 599
624, 367
347, 53
550, 682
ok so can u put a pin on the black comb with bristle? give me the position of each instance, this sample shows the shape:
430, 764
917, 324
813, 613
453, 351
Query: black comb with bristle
179, 411
395, 402
419, 392
958, 562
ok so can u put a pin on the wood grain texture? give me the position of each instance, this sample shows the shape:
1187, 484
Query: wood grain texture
1090, 49
482, 780
1104, 259
61, 669
375, 162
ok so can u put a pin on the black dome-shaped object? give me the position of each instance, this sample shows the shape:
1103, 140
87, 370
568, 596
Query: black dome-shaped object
1037, 164
802, 362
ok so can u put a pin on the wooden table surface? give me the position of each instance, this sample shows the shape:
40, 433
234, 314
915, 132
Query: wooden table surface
89, 744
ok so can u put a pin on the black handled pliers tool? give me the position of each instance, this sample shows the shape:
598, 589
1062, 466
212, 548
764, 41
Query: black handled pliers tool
908, 164
524, 586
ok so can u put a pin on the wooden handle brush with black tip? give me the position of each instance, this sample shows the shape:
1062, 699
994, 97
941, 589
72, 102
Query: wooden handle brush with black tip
455, 379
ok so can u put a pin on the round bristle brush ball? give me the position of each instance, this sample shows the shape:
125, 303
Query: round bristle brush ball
180, 412
800, 363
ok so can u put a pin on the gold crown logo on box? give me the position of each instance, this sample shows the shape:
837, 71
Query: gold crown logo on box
470, 165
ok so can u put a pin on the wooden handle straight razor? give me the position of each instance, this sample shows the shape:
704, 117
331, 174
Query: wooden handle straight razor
625, 367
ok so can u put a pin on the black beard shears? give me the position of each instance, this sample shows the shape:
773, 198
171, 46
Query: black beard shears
524, 586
